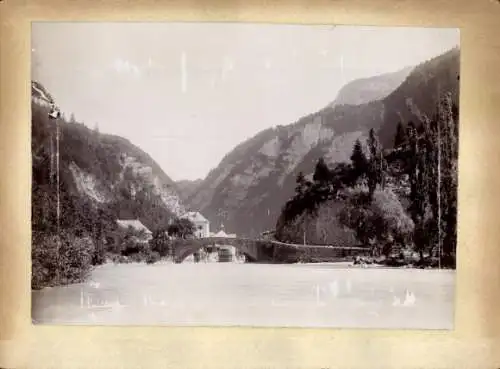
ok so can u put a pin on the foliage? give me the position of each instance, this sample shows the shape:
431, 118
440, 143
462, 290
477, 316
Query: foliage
432, 169
359, 160
100, 155
320, 228
377, 165
81, 221
377, 222
160, 243
401, 138
182, 228
60, 259
406, 196
309, 199
322, 173
153, 257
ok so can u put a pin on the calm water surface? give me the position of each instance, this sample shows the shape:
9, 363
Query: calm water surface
307, 295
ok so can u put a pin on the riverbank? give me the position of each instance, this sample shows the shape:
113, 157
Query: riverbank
345, 263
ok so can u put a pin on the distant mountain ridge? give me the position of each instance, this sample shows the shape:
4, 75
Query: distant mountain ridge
186, 188
251, 184
365, 90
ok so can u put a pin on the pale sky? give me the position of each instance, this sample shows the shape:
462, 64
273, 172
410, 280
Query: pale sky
188, 93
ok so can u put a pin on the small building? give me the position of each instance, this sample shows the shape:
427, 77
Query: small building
142, 233
202, 225
223, 234
226, 252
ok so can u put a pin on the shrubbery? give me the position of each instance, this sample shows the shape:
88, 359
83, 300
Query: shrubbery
152, 257
381, 221
60, 259
132, 247
160, 243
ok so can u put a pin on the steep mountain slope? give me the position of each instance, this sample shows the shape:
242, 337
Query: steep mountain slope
251, 184
99, 174
364, 90
186, 188
417, 97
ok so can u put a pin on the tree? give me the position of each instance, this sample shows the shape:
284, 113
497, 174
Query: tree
301, 184
359, 160
401, 137
322, 173
448, 155
381, 219
431, 165
181, 228
377, 164
160, 242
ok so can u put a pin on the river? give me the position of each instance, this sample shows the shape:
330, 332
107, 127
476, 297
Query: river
231, 294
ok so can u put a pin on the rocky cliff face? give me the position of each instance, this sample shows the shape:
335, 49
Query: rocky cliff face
103, 172
251, 184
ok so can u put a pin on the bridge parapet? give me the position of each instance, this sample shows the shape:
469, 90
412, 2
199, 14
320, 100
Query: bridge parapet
267, 250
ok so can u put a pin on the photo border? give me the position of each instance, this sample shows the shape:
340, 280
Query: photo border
477, 318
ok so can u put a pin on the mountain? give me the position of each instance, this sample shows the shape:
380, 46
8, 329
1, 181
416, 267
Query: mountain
186, 188
100, 175
365, 90
248, 189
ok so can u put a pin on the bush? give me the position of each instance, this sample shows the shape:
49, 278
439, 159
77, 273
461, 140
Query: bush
137, 257
152, 257
60, 260
381, 220
321, 227
113, 258
388, 207
160, 243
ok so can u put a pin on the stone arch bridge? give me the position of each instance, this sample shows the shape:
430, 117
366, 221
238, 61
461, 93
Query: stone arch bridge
262, 250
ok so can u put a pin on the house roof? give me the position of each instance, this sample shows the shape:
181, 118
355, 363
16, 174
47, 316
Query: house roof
195, 216
221, 233
134, 223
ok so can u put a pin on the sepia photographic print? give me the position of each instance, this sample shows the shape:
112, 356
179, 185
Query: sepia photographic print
231, 174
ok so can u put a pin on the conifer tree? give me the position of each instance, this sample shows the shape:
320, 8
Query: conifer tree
401, 137
377, 165
322, 173
359, 160
301, 184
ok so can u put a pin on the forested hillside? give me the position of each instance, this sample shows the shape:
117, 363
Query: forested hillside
385, 200
82, 182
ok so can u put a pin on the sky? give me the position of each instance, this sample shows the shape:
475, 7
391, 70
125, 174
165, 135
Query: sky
188, 93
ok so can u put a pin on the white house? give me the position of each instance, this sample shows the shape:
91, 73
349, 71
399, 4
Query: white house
202, 225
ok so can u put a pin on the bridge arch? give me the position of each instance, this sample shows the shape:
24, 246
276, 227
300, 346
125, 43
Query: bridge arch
186, 247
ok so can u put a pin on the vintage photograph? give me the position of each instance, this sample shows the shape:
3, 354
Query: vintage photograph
234, 174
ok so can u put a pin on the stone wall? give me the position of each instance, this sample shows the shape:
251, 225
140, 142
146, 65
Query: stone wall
268, 250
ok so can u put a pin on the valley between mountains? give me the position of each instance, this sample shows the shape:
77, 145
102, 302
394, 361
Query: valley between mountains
102, 177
